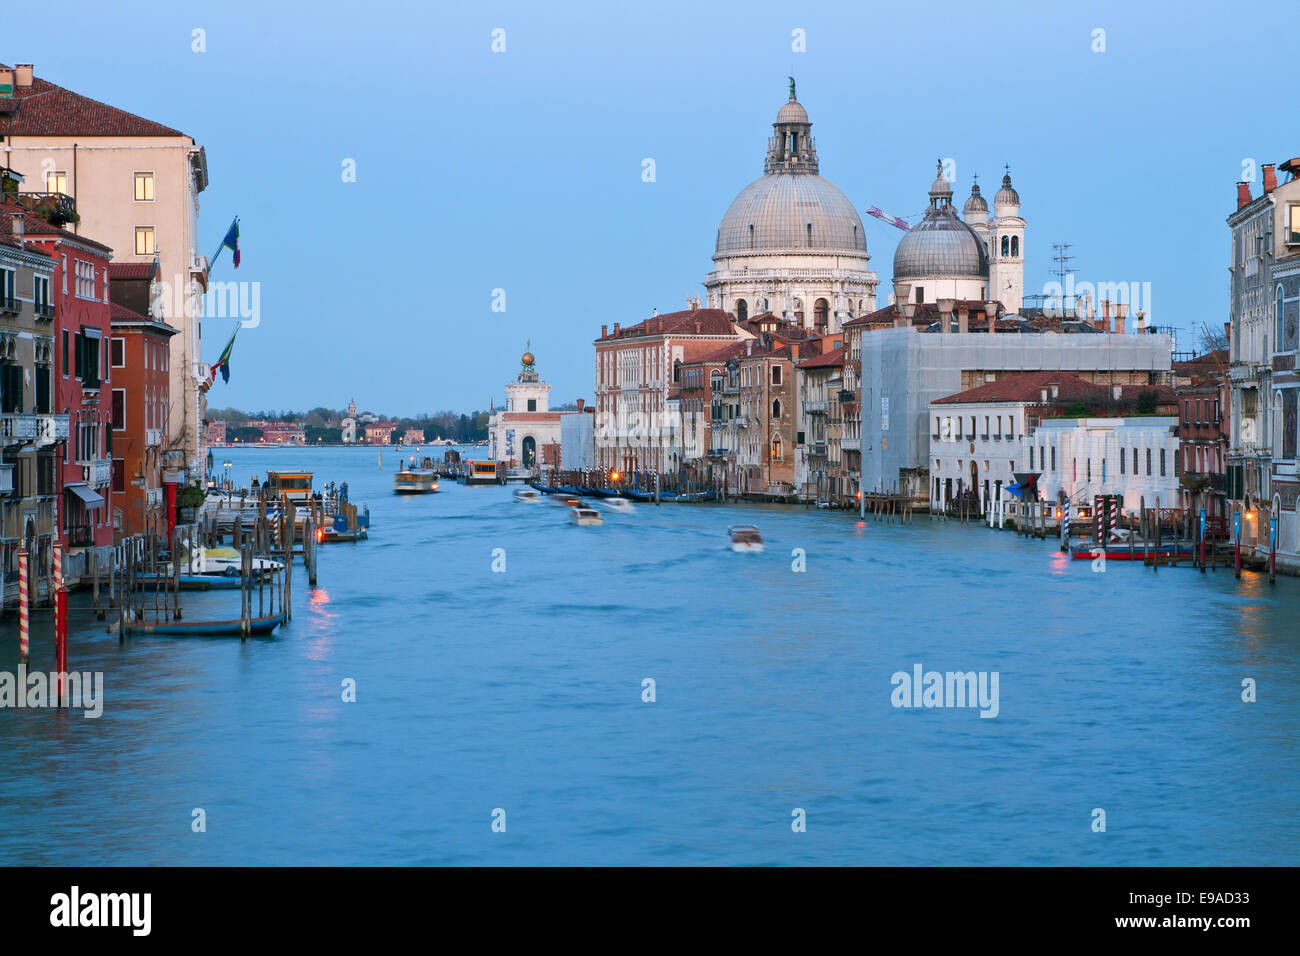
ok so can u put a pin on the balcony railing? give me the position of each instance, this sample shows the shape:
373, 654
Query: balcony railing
44, 310
51, 428
815, 406
81, 536
99, 471
16, 427
10, 306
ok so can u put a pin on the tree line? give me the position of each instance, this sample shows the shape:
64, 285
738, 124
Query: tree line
325, 425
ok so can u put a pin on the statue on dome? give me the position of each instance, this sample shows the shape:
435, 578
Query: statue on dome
791, 79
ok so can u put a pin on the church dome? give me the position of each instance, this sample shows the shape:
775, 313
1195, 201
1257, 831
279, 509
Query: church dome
790, 212
976, 206
941, 245
1007, 194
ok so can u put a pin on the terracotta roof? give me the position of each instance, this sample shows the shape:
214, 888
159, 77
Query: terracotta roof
832, 359
712, 322
45, 109
720, 356
129, 270
1028, 386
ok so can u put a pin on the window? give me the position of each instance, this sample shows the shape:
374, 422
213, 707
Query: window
119, 476
119, 408
532, 404
41, 297
776, 448
1015, 246
776, 408
1162, 462
1031, 457
1053, 458
43, 402
117, 349
144, 244
776, 375
56, 181
144, 187
1187, 412
1122, 458
1293, 226
8, 285
11, 388
1148, 462
65, 353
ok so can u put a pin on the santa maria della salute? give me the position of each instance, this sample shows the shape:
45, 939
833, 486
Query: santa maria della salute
793, 244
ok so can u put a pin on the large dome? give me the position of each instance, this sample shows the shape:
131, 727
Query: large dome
940, 246
774, 213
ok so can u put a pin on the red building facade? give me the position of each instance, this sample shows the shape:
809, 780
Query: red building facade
139, 356
82, 382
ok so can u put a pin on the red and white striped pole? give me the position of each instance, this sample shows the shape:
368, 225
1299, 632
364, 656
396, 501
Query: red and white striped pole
1114, 514
22, 606
60, 624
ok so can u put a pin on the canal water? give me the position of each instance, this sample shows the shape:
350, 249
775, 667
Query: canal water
516, 695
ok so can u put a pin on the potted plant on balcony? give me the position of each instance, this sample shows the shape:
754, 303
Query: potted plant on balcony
59, 215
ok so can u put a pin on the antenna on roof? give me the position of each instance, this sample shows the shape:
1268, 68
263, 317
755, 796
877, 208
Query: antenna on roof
1061, 267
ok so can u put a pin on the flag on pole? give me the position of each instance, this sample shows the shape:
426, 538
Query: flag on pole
223, 362
231, 241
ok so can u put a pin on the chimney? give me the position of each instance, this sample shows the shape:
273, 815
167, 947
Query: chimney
581, 402
616, 328
697, 326
19, 227
909, 310
1105, 311
1243, 194
902, 293
1270, 177
604, 331
22, 75
945, 314
7, 77
749, 347
1121, 310
794, 351
1142, 321
963, 318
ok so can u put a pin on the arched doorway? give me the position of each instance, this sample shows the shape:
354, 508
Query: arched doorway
974, 480
529, 451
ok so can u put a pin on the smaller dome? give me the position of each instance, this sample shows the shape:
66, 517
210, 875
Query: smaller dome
791, 112
976, 207
940, 187
1006, 194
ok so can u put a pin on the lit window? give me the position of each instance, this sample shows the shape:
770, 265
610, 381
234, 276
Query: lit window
56, 181
144, 187
144, 244
1293, 226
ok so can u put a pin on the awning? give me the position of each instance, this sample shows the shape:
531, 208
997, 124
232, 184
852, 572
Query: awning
86, 493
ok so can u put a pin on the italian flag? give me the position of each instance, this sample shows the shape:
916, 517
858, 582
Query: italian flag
223, 361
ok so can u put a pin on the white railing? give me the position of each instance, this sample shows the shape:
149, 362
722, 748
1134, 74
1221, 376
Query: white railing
815, 405
99, 471
851, 444
52, 428
17, 427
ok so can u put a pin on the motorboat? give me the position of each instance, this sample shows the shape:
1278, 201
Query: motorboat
416, 481
568, 501
583, 517
617, 505
745, 538
527, 495
226, 562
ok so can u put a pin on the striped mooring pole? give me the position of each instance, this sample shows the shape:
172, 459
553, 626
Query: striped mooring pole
23, 603
1065, 525
60, 624
1114, 513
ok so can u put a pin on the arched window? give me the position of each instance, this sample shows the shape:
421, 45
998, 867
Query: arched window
1015, 246
776, 408
742, 310
677, 371
776, 448
1277, 317
751, 235
821, 314
1006, 243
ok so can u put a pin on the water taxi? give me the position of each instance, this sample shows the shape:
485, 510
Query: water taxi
415, 481
527, 495
584, 517
295, 484
745, 538
617, 505
568, 501
484, 473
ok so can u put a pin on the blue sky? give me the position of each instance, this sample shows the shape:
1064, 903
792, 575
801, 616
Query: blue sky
522, 170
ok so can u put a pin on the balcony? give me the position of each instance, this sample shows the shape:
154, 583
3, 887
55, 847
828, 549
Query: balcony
51, 428
81, 536
153, 437
98, 472
15, 428
850, 444
44, 311
815, 406
10, 306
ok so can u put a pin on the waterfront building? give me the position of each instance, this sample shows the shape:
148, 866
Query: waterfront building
982, 436
578, 439
1285, 378
216, 433
380, 433
636, 368
133, 184
791, 242
526, 433
819, 465
703, 414
413, 437
82, 376
30, 429
1203, 398
1134, 458
907, 364
764, 428
141, 399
